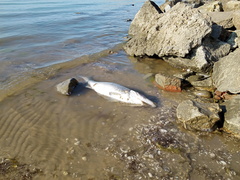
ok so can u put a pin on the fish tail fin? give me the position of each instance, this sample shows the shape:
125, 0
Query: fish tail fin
86, 79
143, 98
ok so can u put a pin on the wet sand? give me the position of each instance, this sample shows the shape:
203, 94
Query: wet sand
84, 136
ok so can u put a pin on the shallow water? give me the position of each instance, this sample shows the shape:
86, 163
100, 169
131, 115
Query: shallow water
84, 136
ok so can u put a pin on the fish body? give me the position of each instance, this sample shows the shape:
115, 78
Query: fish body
116, 92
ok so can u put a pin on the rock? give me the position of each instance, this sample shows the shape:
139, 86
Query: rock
203, 83
168, 83
216, 31
198, 116
226, 73
168, 5
66, 87
232, 6
236, 17
216, 48
218, 95
224, 19
204, 56
234, 39
173, 33
203, 93
232, 116
212, 6
145, 18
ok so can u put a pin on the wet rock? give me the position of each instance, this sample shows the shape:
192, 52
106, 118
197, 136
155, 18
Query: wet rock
226, 73
66, 87
203, 83
203, 93
218, 95
224, 19
236, 17
168, 83
198, 116
232, 116
173, 34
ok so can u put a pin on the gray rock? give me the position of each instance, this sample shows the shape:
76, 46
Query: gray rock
198, 116
216, 31
216, 48
232, 6
236, 17
203, 83
66, 87
173, 34
204, 56
203, 93
145, 18
226, 73
168, 5
233, 40
212, 6
232, 116
224, 19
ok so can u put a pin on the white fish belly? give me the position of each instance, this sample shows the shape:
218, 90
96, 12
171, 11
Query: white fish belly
114, 92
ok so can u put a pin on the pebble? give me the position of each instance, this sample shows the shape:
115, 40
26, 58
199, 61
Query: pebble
65, 173
203, 93
212, 155
84, 158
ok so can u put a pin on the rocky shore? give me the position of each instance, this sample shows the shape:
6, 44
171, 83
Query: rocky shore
203, 39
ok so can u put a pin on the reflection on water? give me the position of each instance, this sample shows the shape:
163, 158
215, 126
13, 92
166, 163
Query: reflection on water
85, 136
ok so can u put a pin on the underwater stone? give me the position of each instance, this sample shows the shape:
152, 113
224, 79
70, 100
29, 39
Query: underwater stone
198, 116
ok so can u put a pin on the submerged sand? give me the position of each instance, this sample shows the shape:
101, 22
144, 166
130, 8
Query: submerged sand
84, 136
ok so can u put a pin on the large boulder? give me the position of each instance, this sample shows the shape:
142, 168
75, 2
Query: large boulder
226, 73
145, 18
232, 116
203, 57
175, 33
198, 116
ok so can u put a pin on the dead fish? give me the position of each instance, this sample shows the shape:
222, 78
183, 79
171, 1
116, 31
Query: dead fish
116, 92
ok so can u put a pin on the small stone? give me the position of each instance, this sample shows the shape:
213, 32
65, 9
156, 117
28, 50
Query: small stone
212, 155
65, 173
204, 94
66, 87
150, 175
84, 158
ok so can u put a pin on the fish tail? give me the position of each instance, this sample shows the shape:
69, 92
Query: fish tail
143, 98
